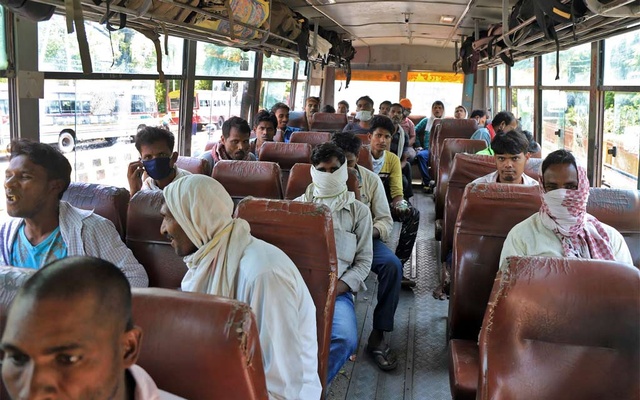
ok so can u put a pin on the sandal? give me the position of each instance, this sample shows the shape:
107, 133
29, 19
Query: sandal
383, 357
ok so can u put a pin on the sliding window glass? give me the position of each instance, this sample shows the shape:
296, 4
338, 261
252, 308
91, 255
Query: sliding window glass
522, 81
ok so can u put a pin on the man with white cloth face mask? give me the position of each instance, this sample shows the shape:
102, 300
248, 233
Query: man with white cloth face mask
223, 259
562, 227
353, 229
364, 113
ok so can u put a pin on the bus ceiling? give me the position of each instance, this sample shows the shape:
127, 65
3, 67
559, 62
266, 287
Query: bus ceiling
305, 29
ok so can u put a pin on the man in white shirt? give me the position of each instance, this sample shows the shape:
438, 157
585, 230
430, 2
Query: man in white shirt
157, 159
223, 259
562, 227
352, 227
511, 152
86, 352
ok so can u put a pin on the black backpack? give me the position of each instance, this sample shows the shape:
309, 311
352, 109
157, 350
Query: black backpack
548, 13
30, 10
468, 56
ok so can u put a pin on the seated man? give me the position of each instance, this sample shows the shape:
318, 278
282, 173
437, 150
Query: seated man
352, 227
364, 112
88, 351
460, 112
234, 143
343, 107
387, 166
511, 152
562, 227
283, 132
311, 106
480, 116
400, 147
223, 259
383, 108
44, 228
157, 159
385, 264
264, 125
503, 121
328, 108
423, 134
408, 125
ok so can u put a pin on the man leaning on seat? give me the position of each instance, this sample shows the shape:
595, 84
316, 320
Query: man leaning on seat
197, 218
43, 228
88, 351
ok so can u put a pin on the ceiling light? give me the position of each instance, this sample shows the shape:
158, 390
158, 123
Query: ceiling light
447, 19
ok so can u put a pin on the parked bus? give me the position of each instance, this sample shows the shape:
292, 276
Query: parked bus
210, 108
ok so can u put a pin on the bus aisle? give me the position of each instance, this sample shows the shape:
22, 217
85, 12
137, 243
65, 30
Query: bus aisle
419, 336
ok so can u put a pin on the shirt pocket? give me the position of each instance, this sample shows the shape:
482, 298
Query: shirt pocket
346, 245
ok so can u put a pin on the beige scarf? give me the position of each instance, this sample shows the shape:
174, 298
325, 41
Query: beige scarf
204, 209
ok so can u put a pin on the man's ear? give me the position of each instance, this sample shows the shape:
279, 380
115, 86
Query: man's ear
57, 185
174, 157
130, 343
527, 156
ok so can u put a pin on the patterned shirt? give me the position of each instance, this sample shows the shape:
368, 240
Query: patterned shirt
26, 255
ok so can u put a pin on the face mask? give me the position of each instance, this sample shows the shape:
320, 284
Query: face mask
158, 168
363, 115
406, 113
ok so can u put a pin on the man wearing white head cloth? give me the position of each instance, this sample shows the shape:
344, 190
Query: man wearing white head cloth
353, 229
223, 259
562, 227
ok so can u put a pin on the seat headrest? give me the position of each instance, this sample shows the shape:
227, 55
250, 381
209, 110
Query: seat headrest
467, 167
109, 202
286, 154
542, 310
328, 121
199, 344
299, 180
364, 138
616, 207
249, 178
450, 127
194, 165
313, 138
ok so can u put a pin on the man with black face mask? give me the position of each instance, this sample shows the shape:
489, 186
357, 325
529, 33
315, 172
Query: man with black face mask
157, 159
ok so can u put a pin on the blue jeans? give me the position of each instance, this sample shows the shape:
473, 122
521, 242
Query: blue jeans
389, 270
344, 334
423, 164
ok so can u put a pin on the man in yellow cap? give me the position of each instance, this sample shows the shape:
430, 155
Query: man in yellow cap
407, 125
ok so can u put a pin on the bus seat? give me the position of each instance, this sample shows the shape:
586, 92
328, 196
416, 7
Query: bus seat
313, 138
249, 178
620, 209
364, 158
286, 155
451, 147
297, 120
364, 138
479, 235
109, 202
209, 146
560, 327
466, 168
304, 231
448, 128
164, 267
199, 345
300, 179
415, 118
194, 165
328, 122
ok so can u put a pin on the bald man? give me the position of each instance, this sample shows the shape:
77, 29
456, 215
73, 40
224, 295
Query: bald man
70, 334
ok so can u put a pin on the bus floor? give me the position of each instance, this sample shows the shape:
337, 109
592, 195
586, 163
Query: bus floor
419, 337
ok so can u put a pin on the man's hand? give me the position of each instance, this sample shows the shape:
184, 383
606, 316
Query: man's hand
342, 288
134, 175
400, 209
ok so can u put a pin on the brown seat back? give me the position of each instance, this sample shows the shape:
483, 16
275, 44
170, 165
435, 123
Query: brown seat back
249, 178
451, 147
196, 345
465, 169
328, 122
109, 202
448, 128
364, 157
313, 138
304, 231
488, 211
415, 118
209, 145
620, 209
164, 267
286, 155
194, 165
364, 138
559, 328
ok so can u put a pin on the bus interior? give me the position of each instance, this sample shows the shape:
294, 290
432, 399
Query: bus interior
571, 77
